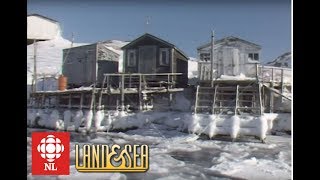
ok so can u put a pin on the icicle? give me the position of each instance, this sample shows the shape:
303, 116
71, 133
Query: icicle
67, 115
235, 126
98, 118
78, 119
88, 119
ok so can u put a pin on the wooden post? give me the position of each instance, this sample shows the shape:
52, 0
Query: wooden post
260, 100
58, 101
42, 100
69, 103
35, 65
237, 99
282, 79
100, 96
214, 99
92, 97
108, 83
122, 93
140, 93
271, 98
81, 101
272, 77
257, 72
212, 56
196, 103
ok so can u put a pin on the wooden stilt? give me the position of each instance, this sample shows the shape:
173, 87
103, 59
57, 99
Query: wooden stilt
196, 103
69, 103
237, 99
122, 93
101, 90
81, 101
140, 93
282, 79
271, 99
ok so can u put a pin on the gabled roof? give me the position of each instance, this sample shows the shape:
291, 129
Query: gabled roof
230, 38
157, 39
44, 17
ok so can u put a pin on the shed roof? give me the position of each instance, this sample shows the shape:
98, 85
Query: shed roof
43, 17
230, 38
157, 39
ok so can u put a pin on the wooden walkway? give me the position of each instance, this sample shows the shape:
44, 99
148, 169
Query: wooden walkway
112, 92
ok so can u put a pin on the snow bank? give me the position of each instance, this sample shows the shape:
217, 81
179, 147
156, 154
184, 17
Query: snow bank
238, 77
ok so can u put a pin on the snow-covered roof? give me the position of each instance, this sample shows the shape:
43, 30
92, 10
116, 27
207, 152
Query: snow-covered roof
157, 39
42, 28
229, 39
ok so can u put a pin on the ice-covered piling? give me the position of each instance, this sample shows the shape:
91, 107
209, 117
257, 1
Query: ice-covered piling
235, 126
211, 130
88, 120
98, 118
78, 119
67, 116
194, 126
263, 127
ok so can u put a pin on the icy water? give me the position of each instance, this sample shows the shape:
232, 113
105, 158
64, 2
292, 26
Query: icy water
177, 155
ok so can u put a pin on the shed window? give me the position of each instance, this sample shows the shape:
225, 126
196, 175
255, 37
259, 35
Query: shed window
131, 58
205, 56
253, 56
164, 56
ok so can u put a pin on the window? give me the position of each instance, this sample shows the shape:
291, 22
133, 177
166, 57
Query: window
253, 56
164, 56
205, 56
131, 57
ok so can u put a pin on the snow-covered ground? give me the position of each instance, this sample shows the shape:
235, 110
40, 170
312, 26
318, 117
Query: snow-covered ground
178, 155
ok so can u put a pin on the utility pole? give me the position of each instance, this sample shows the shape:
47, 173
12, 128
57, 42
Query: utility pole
72, 39
212, 55
147, 23
35, 65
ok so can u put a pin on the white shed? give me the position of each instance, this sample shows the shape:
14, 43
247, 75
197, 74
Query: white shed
232, 56
41, 28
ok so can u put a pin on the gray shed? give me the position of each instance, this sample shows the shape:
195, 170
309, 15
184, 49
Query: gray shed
85, 65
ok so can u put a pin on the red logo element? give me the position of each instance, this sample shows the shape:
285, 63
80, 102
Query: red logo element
50, 153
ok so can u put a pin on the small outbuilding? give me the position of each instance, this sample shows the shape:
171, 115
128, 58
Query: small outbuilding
149, 54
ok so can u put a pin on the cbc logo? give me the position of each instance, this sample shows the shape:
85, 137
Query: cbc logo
50, 148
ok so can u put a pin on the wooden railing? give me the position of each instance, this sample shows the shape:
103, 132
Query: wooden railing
139, 80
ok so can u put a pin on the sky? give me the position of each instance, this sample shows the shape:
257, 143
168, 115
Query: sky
186, 24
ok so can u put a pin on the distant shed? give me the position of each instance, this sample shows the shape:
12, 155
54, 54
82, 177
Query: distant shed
85, 65
41, 28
